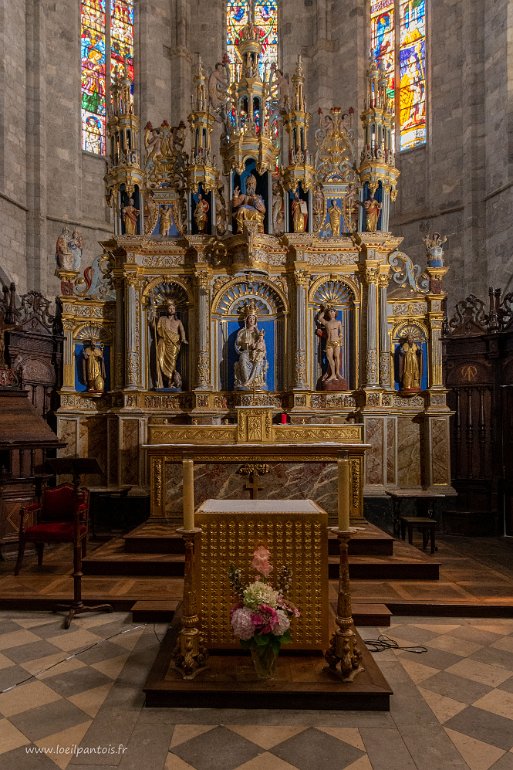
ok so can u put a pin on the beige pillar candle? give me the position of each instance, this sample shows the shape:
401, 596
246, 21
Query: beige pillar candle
343, 493
188, 494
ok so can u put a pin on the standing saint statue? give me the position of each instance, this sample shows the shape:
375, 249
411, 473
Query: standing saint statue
335, 215
94, 367
201, 213
251, 369
299, 214
165, 219
130, 217
410, 365
170, 335
248, 206
331, 329
372, 209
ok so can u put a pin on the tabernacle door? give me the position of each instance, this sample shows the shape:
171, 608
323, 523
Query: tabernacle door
295, 533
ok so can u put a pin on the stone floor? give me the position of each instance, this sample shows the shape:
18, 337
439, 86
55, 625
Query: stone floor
74, 699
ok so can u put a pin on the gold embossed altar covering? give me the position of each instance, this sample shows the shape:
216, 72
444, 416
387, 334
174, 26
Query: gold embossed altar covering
294, 531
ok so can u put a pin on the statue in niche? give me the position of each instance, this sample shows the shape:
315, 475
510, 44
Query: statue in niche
251, 369
335, 215
330, 328
130, 217
299, 214
319, 210
170, 336
278, 209
434, 249
94, 367
201, 213
410, 365
372, 210
249, 206
165, 219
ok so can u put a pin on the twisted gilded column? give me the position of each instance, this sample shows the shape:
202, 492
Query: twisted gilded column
301, 278
203, 380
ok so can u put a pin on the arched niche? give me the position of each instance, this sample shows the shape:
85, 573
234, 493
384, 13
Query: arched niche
419, 332
341, 295
227, 319
91, 333
155, 297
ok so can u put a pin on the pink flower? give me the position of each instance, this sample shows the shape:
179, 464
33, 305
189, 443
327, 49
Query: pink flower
282, 625
261, 561
242, 623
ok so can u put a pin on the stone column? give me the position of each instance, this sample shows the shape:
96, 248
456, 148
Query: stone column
371, 355
203, 374
132, 335
384, 338
300, 377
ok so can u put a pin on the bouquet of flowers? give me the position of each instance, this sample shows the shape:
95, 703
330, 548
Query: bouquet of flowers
261, 618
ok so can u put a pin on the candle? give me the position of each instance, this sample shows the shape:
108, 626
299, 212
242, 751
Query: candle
283, 418
343, 493
188, 494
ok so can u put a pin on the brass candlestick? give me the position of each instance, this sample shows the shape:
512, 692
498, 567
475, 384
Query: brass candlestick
343, 655
190, 653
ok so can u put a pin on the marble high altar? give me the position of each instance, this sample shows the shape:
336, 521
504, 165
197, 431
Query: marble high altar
259, 275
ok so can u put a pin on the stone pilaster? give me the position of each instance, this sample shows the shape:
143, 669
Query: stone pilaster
203, 369
300, 376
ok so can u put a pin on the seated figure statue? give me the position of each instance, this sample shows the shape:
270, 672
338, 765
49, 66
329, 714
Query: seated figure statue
248, 206
251, 369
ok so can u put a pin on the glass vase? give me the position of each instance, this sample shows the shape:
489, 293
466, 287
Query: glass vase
264, 659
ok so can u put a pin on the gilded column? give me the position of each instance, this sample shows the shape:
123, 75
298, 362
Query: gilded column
203, 379
68, 358
371, 359
132, 335
301, 278
119, 340
384, 338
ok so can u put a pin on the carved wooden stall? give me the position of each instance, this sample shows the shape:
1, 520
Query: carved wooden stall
478, 358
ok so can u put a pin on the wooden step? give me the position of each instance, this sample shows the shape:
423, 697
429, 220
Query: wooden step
371, 615
154, 611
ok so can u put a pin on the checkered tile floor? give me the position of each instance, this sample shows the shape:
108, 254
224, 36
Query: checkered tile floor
452, 706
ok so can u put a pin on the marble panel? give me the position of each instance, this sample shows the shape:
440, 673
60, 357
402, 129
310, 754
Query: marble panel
67, 431
113, 452
408, 453
440, 461
289, 481
390, 451
129, 452
374, 430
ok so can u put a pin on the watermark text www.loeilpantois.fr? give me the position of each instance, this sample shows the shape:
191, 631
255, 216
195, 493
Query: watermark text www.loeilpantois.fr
76, 751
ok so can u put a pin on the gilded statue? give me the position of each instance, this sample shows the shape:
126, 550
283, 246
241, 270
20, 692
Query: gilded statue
331, 329
201, 213
410, 365
299, 214
351, 209
165, 219
319, 208
335, 215
130, 217
94, 367
278, 209
248, 206
372, 210
170, 336
251, 369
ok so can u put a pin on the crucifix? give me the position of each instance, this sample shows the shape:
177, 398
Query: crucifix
253, 471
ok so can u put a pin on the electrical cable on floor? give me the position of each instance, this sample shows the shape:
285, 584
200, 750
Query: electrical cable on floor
74, 655
385, 643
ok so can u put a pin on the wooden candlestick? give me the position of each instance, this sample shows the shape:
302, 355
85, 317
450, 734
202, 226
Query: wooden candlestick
343, 493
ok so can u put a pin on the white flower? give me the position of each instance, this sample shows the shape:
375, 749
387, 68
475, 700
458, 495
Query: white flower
259, 593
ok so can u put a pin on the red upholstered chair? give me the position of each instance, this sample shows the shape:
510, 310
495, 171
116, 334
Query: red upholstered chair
54, 521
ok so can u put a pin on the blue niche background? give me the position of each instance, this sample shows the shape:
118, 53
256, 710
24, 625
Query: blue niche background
229, 356
80, 384
424, 359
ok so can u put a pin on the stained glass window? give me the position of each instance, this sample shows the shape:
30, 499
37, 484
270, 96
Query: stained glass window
107, 40
266, 17
401, 49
